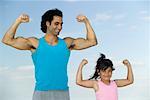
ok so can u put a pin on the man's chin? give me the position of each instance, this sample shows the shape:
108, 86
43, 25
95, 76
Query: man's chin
56, 33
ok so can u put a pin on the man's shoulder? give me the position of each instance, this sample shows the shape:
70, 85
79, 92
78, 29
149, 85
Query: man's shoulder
34, 41
31, 39
69, 42
68, 38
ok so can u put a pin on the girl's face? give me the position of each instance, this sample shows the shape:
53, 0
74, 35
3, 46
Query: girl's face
106, 74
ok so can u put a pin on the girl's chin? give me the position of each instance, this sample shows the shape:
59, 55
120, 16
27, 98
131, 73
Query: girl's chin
106, 79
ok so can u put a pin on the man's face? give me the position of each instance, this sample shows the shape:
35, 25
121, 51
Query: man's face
56, 25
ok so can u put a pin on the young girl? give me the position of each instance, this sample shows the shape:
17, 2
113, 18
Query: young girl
105, 88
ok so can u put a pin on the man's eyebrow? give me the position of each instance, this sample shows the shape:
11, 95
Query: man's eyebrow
58, 22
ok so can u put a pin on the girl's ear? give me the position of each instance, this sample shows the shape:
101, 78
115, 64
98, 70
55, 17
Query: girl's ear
97, 70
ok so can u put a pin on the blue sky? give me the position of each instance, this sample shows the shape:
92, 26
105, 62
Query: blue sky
122, 29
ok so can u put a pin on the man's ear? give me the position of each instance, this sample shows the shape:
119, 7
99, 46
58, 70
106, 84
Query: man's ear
47, 23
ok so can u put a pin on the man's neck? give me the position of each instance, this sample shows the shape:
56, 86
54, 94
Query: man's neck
51, 39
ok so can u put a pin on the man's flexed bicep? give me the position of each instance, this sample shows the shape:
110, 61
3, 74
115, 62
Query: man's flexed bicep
82, 43
19, 42
78, 44
22, 43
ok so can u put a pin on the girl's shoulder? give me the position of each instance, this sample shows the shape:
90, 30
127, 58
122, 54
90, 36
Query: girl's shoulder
96, 86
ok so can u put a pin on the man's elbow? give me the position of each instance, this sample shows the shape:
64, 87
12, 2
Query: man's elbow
94, 43
4, 41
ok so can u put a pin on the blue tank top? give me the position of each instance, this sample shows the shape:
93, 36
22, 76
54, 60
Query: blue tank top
51, 65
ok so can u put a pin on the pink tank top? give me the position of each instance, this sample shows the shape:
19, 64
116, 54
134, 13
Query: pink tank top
107, 92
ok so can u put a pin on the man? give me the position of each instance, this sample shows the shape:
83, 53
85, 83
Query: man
50, 53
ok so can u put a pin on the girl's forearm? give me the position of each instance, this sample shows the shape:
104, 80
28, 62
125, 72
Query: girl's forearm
79, 75
130, 76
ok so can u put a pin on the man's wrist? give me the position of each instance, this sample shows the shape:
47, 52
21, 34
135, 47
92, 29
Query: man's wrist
86, 20
18, 21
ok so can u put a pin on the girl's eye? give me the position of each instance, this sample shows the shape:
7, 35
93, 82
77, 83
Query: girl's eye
103, 70
110, 70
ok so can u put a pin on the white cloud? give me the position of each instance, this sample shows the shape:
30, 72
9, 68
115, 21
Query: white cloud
18, 73
73, 34
103, 17
2, 69
16, 83
71, 0
135, 63
119, 17
108, 17
144, 15
133, 28
143, 12
74, 0
119, 24
146, 18
25, 68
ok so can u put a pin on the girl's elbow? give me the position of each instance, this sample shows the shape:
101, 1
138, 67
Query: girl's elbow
131, 81
78, 82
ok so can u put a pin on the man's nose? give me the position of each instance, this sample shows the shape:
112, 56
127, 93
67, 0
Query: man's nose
59, 27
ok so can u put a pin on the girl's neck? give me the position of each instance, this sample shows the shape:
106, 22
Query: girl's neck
106, 82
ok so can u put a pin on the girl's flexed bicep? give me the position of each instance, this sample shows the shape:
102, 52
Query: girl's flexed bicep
80, 81
129, 79
89, 84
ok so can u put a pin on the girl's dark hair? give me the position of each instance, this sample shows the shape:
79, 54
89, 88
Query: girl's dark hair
48, 16
102, 64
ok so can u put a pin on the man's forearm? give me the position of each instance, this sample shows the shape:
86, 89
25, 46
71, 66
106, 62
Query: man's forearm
90, 32
10, 34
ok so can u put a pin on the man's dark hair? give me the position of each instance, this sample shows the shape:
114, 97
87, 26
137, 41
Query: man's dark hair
48, 16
